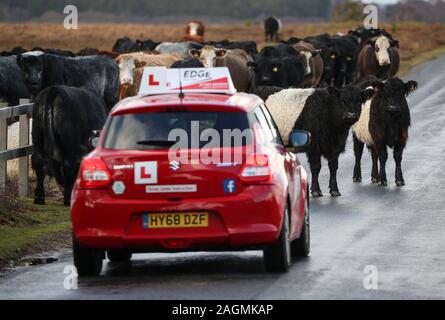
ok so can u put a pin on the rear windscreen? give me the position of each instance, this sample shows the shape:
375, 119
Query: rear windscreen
152, 131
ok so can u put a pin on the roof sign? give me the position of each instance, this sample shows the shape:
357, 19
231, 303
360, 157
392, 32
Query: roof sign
161, 80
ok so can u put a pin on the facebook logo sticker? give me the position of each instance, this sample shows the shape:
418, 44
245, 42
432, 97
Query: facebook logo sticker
229, 186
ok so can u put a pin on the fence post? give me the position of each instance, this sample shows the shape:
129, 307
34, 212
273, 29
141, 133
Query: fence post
24, 162
3, 145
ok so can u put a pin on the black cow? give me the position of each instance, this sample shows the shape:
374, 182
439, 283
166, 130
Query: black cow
125, 45
128, 45
291, 40
272, 28
278, 51
147, 45
327, 114
13, 52
384, 123
12, 86
345, 65
55, 51
187, 63
363, 35
63, 120
278, 66
96, 73
264, 92
249, 46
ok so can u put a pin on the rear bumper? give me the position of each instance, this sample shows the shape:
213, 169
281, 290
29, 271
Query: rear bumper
252, 218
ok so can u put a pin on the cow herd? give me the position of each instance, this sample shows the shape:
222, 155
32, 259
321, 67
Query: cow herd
324, 84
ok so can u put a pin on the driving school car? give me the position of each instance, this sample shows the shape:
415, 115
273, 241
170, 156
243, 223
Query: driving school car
188, 165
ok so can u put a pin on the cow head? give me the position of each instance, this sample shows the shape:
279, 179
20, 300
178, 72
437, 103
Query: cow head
127, 65
147, 45
267, 71
392, 94
306, 59
382, 47
32, 66
193, 28
350, 99
208, 55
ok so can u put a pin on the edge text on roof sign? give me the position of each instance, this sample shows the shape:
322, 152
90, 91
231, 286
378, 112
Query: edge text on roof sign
160, 80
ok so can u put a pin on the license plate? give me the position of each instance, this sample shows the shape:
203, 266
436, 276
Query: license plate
176, 220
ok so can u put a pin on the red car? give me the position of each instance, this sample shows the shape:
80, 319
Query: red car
130, 197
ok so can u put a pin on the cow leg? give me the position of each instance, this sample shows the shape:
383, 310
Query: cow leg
315, 164
69, 176
58, 173
358, 151
333, 168
375, 178
398, 153
383, 157
37, 165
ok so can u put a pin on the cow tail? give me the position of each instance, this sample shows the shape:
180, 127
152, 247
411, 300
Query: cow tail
49, 129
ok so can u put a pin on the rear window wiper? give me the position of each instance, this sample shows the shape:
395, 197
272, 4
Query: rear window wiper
157, 143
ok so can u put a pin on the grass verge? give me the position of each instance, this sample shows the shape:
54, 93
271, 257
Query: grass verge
407, 65
32, 229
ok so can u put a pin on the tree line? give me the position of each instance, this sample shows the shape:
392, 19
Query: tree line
240, 9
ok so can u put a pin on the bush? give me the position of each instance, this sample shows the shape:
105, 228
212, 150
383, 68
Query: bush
348, 11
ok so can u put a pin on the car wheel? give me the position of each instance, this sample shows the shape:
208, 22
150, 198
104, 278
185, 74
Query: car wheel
277, 257
88, 261
301, 247
118, 256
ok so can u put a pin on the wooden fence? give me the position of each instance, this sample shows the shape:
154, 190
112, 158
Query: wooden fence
23, 111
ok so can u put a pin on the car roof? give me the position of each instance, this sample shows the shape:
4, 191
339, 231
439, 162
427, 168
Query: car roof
239, 102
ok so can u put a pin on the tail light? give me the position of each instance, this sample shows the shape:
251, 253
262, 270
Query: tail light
256, 169
94, 174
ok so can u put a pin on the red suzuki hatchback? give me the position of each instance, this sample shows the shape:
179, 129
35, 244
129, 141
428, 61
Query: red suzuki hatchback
138, 192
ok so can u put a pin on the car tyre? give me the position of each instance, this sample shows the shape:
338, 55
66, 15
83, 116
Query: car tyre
277, 257
88, 261
301, 247
118, 256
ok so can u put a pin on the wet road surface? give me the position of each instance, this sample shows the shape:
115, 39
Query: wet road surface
399, 231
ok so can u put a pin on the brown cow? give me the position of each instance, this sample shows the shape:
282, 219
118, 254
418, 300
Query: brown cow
130, 62
195, 28
195, 32
197, 39
379, 58
131, 90
236, 61
312, 62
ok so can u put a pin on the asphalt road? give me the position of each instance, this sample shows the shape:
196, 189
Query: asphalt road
401, 232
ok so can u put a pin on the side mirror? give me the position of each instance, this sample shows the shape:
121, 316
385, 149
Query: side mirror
299, 138
93, 141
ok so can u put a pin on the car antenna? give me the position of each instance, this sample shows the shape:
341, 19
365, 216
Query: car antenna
181, 92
